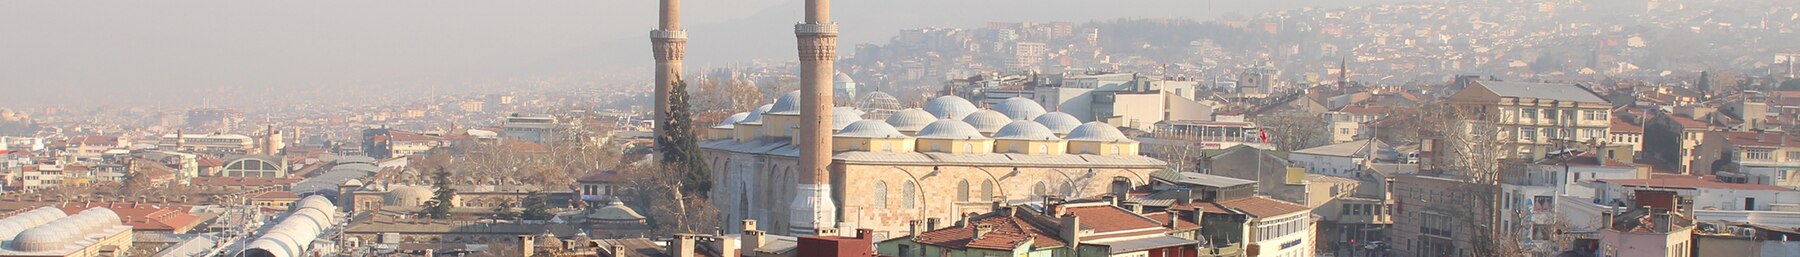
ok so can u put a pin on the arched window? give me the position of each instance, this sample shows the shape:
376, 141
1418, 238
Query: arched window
1068, 190
1117, 151
987, 190
969, 147
1121, 184
879, 195
1040, 190
962, 190
909, 195
1043, 149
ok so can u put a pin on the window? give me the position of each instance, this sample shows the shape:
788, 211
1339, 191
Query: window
1040, 189
879, 195
962, 190
987, 190
1043, 149
1013, 148
1529, 113
1117, 151
1528, 134
1758, 154
1793, 156
908, 194
1550, 114
969, 147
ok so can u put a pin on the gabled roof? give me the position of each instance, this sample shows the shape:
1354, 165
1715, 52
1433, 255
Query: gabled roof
1257, 206
1009, 233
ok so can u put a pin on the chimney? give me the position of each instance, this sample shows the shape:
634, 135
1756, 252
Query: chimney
1174, 218
617, 250
964, 221
682, 246
932, 223
915, 227
864, 233
526, 244
1071, 230
1184, 197
753, 238
825, 231
1110, 199
727, 246
1134, 207
982, 230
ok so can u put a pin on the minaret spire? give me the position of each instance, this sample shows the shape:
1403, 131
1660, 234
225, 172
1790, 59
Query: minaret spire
1343, 72
814, 211
668, 43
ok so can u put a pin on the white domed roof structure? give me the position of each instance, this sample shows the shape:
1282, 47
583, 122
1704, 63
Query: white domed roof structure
950, 107
987, 121
294, 233
755, 116
616, 212
408, 196
911, 119
732, 120
12, 226
1019, 108
60, 233
1058, 122
788, 104
844, 115
949, 129
870, 129
842, 78
1026, 130
880, 105
1096, 131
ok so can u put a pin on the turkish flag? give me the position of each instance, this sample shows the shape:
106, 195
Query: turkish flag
1262, 134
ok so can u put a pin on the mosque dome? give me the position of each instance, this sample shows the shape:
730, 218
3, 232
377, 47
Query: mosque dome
409, 196
49, 237
842, 78
732, 120
1096, 131
910, 119
844, 115
950, 107
615, 211
1019, 108
949, 129
870, 129
987, 121
755, 116
1058, 122
788, 104
1026, 130
880, 105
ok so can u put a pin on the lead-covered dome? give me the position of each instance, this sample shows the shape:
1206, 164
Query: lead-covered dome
1058, 122
1019, 108
987, 121
409, 196
844, 115
788, 104
755, 117
950, 107
1026, 130
910, 119
732, 120
949, 129
49, 237
616, 212
1096, 131
870, 129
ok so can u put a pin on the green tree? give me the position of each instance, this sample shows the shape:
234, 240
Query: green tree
440, 204
537, 206
679, 147
505, 210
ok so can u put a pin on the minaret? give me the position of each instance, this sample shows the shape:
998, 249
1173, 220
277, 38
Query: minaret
668, 43
813, 208
1343, 72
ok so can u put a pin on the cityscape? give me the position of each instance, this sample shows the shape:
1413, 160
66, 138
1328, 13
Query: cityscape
1449, 128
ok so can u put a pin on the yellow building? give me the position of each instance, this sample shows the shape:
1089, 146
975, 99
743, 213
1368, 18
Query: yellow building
1536, 118
920, 163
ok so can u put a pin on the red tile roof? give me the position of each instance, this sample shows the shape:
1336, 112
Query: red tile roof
1108, 218
242, 181
209, 161
1009, 233
1255, 206
144, 217
1687, 182
1624, 126
1768, 139
1689, 123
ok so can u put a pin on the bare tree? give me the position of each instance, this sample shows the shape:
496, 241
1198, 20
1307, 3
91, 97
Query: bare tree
1294, 130
1469, 146
671, 210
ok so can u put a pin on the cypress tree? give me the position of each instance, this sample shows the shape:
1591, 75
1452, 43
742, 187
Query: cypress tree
441, 201
679, 146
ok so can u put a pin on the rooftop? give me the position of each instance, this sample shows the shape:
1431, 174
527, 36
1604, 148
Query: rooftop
1691, 183
1561, 92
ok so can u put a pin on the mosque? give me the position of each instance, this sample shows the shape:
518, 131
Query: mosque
935, 163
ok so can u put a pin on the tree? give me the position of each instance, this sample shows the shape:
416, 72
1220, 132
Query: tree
1471, 149
671, 210
505, 210
679, 146
537, 207
1294, 130
442, 199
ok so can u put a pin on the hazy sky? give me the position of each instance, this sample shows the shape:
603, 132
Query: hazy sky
95, 51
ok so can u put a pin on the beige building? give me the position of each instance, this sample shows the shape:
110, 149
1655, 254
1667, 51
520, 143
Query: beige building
917, 164
1536, 118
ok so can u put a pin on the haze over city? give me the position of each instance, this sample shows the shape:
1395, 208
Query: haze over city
928, 128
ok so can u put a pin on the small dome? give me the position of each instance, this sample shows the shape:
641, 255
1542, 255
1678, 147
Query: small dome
910, 119
949, 129
987, 121
1096, 131
788, 104
49, 237
870, 129
949, 107
409, 196
615, 212
842, 78
1019, 108
755, 116
732, 120
1026, 130
1058, 122
353, 183
844, 115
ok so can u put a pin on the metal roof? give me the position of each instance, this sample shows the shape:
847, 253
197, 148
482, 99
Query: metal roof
1562, 92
